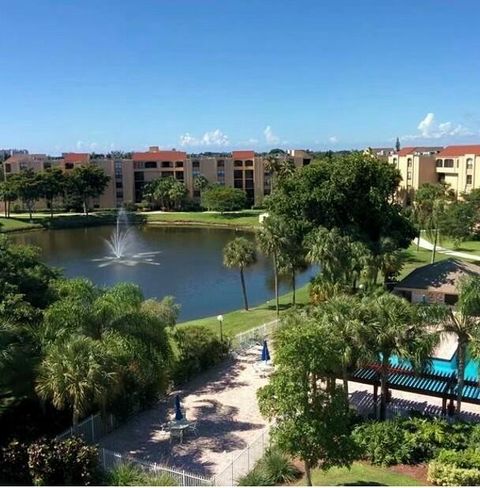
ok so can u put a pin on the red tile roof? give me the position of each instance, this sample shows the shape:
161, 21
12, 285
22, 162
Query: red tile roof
160, 156
243, 154
459, 150
75, 157
405, 151
27, 158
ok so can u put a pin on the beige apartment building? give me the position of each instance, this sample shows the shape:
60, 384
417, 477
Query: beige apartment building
128, 177
457, 166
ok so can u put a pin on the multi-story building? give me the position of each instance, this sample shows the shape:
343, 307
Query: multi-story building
459, 167
240, 169
416, 166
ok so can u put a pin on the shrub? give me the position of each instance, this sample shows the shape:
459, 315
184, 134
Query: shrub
197, 349
278, 468
131, 475
130, 207
453, 468
474, 440
14, 465
256, 477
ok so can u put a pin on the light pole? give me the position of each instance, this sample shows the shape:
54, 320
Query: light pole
220, 320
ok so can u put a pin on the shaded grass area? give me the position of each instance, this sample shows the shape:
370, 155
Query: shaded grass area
466, 246
361, 474
246, 218
12, 225
241, 320
418, 258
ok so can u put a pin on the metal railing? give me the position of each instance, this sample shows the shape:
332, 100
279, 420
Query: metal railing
246, 339
109, 460
244, 462
92, 429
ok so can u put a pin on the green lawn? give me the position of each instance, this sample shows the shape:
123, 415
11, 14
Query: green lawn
467, 246
418, 258
361, 474
11, 225
245, 218
240, 320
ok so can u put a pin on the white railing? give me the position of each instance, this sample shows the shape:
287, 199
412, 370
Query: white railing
92, 429
246, 339
110, 460
244, 462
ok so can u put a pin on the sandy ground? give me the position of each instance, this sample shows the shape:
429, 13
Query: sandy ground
222, 401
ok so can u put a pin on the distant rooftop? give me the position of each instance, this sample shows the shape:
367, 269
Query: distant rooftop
460, 150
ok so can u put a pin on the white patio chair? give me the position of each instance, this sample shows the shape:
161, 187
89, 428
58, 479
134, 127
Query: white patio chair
193, 428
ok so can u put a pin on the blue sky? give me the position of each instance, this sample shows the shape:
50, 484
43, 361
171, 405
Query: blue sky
224, 74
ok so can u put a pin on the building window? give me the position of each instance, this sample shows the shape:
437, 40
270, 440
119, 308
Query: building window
237, 163
139, 176
151, 165
469, 163
238, 179
68, 165
167, 164
439, 163
23, 166
394, 160
409, 175
306, 162
47, 165
179, 175
138, 165
469, 179
249, 163
196, 164
409, 162
120, 194
448, 163
178, 164
118, 169
8, 167
118, 184
220, 163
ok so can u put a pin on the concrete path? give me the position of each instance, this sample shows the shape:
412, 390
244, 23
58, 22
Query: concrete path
224, 404
462, 255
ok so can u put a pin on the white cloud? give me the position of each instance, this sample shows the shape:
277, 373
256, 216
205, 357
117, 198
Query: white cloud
333, 139
80, 144
429, 129
270, 137
252, 140
212, 138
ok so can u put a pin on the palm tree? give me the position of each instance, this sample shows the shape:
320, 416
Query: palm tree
240, 253
341, 314
76, 374
464, 322
395, 327
278, 167
272, 241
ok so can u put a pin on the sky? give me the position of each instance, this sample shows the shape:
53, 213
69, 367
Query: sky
219, 75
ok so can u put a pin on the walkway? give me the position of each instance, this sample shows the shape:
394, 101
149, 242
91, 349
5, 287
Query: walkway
462, 255
224, 404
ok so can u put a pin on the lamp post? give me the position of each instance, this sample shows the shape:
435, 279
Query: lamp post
220, 320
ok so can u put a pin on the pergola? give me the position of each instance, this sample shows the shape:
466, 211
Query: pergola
435, 384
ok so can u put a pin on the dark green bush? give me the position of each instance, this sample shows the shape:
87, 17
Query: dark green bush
14, 465
454, 468
131, 475
197, 349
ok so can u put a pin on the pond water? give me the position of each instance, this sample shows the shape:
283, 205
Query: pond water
179, 261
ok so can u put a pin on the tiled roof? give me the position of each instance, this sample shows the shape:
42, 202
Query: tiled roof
418, 149
160, 156
442, 276
405, 151
243, 154
460, 150
75, 157
26, 157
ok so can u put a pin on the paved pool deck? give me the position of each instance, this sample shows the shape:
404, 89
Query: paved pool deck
223, 402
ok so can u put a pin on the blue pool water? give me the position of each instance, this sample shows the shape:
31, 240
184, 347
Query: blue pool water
444, 366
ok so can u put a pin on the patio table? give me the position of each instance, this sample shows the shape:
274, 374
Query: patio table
179, 426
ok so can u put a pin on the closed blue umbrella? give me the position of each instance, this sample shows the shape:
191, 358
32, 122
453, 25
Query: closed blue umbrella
265, 353
178, 410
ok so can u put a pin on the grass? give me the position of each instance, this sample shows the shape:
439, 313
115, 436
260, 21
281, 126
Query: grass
241, 320
466, 246
244, 219
12, 225
418, 258
361, 474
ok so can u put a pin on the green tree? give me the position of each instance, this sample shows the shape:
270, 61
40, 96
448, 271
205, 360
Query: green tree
273, 239
200, 183
8, 194
223, 199
168, 193
279, 166
397, 144
464, 322
87, 182
27, 185
240, 253
458, 221
430, 204
352, 192
52, 185
76, 373
311, 415
395, 327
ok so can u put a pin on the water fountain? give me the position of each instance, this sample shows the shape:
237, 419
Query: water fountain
122, 245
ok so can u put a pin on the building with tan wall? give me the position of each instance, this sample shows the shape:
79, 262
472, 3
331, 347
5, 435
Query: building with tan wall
240, 169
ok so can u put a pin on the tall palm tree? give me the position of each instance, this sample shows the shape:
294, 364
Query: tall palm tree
464, 322
395, 327
240, 253
272, 241
76, 374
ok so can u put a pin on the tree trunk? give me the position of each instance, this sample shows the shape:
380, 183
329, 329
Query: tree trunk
244, 290
5, 207
418, 241
293, 286
345, 381
51, 209
75, 416
30, 213
462, 348
434, 250
308, 473
275, 271
85, 207
383, 388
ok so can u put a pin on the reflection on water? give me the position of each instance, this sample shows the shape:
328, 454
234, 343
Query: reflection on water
182, 262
